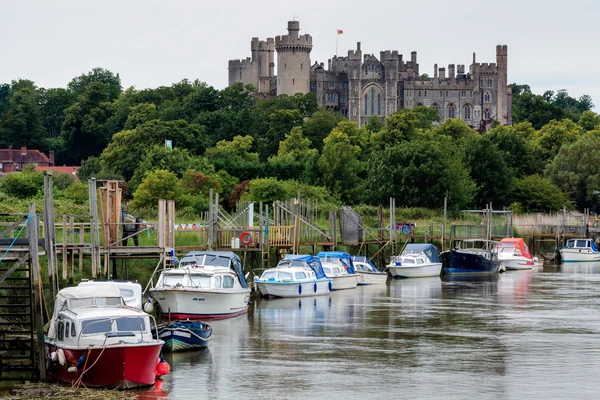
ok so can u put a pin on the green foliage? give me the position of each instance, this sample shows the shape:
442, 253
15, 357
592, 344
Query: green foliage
89, 168
159, 157
555, 134
158, 185
576, 171
319, 126
589, 120
62, 181
140, 114
535, 193
418, 173
266, 190
79, 85
77, 193
518, 152
22, 185
21, 124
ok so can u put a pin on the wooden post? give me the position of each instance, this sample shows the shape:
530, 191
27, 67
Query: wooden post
170, 224
210, 221
49, 233
162, 205
81, 245
33, 230
444, 224
71, 243
94, 234
64, 248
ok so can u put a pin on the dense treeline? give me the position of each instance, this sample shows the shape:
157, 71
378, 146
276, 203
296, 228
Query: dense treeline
244, 147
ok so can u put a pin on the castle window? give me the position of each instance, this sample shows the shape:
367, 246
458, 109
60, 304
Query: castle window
293, 82
487, 114
487, 97
366, 104
435, 105
463, 93
490, 83
467, 111
378, 104
372, 101
481, 83
425, 93
342, 98
313, 85
285, 66
331, 85
419, 93
470, 93
441, 93
300, 66
342, 85
451, 111
240, 75
446, 93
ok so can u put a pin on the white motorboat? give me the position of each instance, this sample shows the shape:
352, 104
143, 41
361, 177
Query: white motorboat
514, 254
368, 274
580, 250
295, 276
418, 260
205, 285
131, 292
339, 267
97, 340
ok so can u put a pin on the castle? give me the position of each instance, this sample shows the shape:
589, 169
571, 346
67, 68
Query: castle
361, 86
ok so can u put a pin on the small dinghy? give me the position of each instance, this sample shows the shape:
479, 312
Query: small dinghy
183, 335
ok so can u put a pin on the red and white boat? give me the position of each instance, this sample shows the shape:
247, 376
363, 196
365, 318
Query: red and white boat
513, 253
96, 340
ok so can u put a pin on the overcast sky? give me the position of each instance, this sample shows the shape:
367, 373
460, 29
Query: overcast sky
552, 45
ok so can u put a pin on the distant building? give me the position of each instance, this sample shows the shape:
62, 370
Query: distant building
13, 160
360, 86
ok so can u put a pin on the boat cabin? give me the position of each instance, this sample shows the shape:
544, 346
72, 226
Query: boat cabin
221, 278
581, 244
514, 247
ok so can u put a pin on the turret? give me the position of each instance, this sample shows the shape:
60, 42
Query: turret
293, 61
503, 108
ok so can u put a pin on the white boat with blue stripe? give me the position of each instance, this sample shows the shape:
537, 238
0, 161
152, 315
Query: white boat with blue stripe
295, 276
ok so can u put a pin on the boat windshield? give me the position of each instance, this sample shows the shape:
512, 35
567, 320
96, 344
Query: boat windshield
172, 279
269, 275
286, 276
215, 261
200, 281
103, 325
292, 263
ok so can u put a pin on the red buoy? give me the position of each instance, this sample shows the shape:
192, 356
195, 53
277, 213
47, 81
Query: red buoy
162, 368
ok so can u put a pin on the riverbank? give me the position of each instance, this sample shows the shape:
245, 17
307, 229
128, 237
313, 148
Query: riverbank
57, 392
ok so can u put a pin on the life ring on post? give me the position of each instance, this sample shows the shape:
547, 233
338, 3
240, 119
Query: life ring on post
246, 237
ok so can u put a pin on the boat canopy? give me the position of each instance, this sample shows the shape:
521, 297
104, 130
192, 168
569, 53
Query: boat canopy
582, 244
516, 243
364, 259
217, 258
84, 296
430, 250
344, 257
313, 262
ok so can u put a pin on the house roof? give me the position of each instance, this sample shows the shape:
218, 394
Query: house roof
28, 156
58, 170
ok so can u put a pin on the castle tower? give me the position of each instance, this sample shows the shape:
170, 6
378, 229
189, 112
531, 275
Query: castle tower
354, 83
503, 108
293, 61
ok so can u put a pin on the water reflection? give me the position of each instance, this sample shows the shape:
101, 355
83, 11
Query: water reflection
580, 267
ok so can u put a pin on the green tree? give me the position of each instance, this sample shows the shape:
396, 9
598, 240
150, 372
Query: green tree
535, 193
90, 167
80, 85
319, 126
266, 190
159, 184
519, 153
53, 104
124, 152
576, 171
21, 125
418, 173
589, 120
140, 114
555, 134
83, 131
23, 185
490, 171
159, 157
295, 147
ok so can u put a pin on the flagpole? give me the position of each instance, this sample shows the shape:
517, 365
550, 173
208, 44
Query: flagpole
337, 35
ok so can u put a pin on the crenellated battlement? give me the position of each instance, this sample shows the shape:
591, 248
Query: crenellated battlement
388, 55
502, 50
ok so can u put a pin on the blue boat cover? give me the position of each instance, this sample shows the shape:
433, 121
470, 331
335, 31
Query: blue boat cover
343, 256
312, 262
235, 262
365, 260
430, 250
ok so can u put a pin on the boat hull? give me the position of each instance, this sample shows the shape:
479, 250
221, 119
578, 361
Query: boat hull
578, 255
295, 289
516, 263
342, 282
182, 304
183, 335
463, 262
371, 278
416, 271
125, 366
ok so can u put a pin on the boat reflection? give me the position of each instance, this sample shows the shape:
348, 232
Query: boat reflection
592, 267
515, 286
416, 288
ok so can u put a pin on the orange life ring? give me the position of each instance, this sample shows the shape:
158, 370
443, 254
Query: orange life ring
246, 237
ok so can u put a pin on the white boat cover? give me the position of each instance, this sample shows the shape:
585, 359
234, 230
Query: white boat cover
79, 292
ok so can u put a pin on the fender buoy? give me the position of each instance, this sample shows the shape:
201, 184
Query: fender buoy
246, 237
315, 287
300, 290
330, 286
162, 368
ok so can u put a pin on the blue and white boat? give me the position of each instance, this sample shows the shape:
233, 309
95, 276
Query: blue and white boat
295, 276
183, 335
418, 260
580, 250
472, 256
368, 274
338, 266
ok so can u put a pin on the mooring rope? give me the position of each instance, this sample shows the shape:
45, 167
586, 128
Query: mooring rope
15, 239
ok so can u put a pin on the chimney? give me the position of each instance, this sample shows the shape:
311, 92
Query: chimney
435, 71
442, 71
10, 154
23, 151
51, 157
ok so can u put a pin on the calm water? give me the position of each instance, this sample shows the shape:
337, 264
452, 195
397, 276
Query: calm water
521, 334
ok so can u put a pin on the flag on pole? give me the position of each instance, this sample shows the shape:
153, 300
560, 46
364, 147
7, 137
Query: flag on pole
340, 31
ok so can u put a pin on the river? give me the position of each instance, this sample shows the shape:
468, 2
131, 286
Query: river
520, 334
